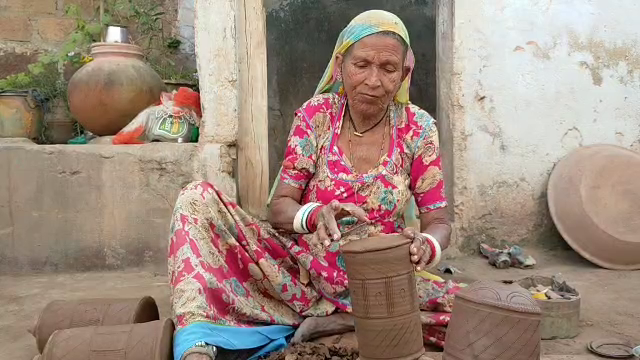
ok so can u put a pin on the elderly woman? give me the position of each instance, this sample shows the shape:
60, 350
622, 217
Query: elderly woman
357, 153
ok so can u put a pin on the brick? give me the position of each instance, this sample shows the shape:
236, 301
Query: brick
54, 29
31, 6
88, 7
15, 29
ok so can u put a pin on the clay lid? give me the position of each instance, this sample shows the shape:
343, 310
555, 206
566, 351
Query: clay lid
375, 243
594, 200
505, 296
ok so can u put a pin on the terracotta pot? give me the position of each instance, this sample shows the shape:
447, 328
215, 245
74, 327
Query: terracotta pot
384, 298
146, 341
492, 320
58, 315
20, 116
58, 124
107, 93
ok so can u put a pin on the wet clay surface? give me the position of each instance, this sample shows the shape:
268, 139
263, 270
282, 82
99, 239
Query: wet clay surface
609, 300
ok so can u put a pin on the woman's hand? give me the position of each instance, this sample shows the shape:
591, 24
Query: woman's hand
326, 222
419, 250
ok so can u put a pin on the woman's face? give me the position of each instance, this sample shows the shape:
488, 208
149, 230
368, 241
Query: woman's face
372, 70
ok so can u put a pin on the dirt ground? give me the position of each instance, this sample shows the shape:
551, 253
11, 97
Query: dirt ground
609, 301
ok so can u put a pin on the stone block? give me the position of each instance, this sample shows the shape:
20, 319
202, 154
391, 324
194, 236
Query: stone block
88, 207
15, 28
55, 29
88, 7
32, 7
216, 165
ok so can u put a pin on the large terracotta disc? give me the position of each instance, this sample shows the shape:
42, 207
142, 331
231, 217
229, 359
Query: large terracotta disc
594, 200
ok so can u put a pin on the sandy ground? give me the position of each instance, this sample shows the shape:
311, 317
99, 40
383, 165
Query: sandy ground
609, 300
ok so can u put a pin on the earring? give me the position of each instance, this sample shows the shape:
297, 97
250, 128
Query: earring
339, 76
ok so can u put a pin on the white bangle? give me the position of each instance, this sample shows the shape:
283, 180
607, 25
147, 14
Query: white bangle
436, 245
300, 220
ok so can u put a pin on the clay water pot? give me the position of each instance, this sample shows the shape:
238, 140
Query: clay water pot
492, 320
107, 93
20, 116
146, 341
59, 315
384, 298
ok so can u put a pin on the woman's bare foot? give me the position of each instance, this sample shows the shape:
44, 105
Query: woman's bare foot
198, 357
315, 327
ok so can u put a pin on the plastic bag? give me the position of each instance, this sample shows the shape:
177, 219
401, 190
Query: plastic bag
175, 119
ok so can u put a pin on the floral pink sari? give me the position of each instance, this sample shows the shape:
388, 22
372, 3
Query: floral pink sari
228, 268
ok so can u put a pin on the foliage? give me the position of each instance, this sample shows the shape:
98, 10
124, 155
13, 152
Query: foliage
149, 32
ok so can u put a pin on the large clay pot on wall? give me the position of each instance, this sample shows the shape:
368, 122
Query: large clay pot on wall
107, 93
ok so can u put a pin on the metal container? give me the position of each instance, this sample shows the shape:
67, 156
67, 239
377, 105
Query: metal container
384, 298
20, 116
560, 318
117, 34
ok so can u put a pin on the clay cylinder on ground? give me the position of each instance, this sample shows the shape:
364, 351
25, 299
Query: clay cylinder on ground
146, 341
384, 298
59, 315
107, 93
492, 320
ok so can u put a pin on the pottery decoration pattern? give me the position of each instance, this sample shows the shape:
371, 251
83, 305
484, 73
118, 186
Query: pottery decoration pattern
493, 321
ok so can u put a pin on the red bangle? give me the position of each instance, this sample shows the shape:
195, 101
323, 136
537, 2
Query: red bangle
312, 223
433, 250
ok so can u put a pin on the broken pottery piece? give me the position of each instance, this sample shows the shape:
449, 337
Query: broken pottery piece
145, 341
60, 314
384, 298
492, 320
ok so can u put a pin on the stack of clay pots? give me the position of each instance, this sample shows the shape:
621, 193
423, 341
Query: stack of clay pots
108, 329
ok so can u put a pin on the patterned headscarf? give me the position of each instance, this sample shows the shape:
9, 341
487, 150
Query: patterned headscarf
367, 23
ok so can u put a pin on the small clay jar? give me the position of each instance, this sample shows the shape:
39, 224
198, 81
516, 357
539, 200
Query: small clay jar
108, 92
146, 341
492, 320
384, 298
59, 315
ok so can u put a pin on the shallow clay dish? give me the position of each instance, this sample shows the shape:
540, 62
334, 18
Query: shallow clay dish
594, 200
611, 348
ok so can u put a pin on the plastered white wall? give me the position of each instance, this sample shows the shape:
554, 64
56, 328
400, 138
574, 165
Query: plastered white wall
533, 80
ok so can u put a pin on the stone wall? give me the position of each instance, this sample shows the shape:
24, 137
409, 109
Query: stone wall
531, 81
92, 207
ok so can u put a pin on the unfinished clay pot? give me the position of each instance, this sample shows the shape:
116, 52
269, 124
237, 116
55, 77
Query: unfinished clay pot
492, 320
58, 315
384, 298
146, 341
107, 93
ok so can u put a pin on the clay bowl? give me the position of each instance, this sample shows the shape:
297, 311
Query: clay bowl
594, 200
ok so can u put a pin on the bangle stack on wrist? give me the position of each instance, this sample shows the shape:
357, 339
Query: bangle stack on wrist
305, 219
436, 250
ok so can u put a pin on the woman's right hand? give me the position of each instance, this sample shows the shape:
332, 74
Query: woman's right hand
327, 221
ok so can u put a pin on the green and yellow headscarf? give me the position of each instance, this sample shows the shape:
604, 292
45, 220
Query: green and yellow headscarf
367, 23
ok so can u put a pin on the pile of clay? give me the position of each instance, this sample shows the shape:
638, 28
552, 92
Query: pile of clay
311, 351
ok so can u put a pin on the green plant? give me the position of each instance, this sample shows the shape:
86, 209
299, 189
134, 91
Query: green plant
150, 32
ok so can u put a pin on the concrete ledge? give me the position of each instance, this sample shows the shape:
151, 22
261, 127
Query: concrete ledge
88, 207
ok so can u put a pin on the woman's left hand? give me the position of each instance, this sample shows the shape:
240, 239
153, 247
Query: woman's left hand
419, 251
